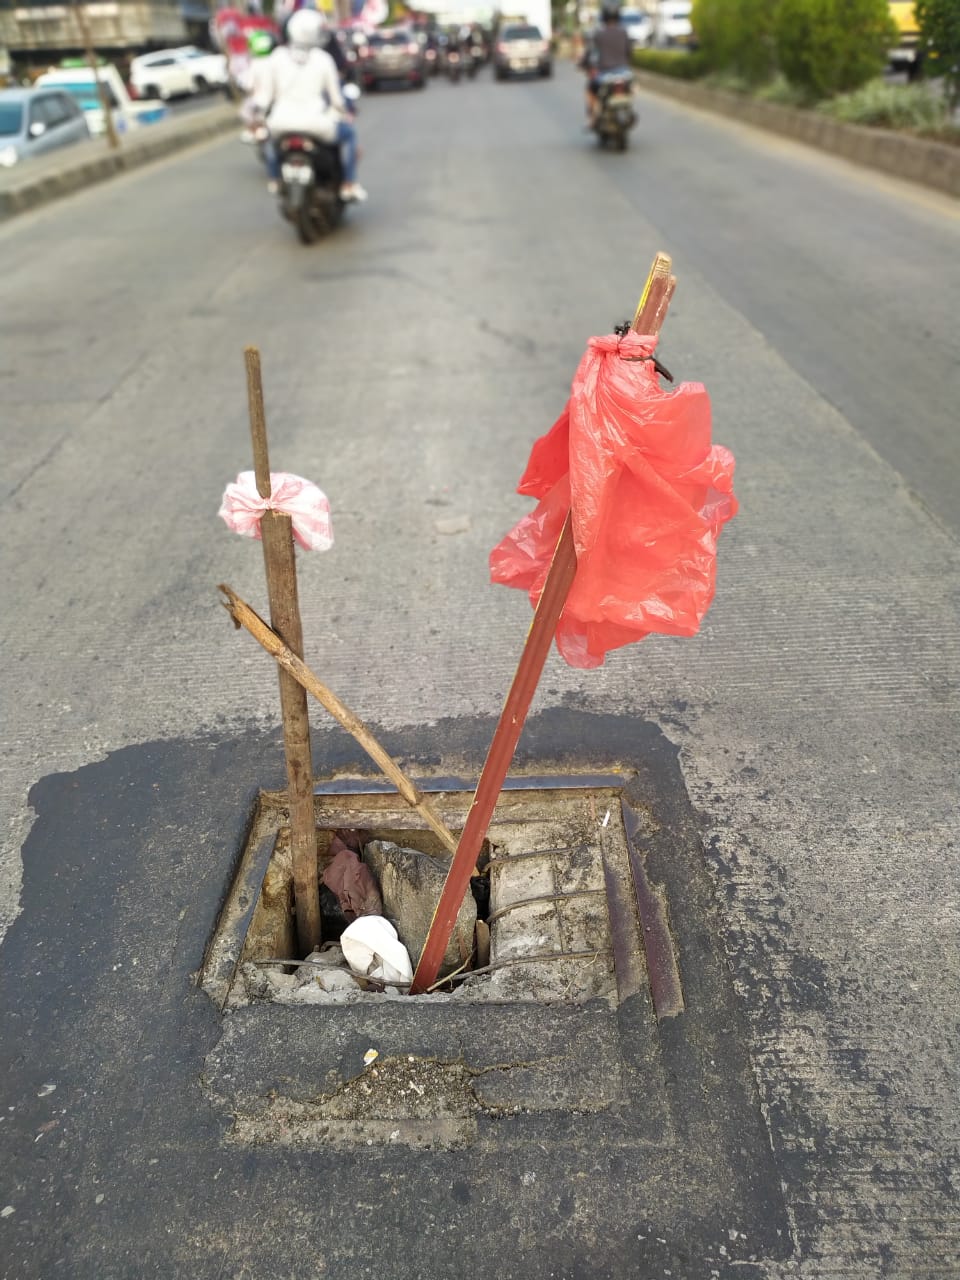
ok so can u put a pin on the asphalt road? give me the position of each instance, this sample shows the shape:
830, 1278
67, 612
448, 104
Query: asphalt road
409, 362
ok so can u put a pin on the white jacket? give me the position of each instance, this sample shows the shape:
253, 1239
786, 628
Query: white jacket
299, 92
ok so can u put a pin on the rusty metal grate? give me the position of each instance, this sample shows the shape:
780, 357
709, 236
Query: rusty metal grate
588, 898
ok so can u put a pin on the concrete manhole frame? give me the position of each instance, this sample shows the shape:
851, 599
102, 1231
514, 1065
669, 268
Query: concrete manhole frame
643, 949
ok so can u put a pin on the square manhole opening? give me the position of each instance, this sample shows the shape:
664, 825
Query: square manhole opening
552, 916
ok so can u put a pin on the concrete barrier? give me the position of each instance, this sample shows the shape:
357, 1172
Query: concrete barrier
932, 164
46, 178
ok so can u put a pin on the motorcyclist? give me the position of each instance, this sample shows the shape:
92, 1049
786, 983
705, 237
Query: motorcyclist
299, 92
610, 50
261, 45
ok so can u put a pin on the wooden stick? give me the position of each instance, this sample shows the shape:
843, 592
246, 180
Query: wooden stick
110, 128
657, 292
563, 569
559, 580
244, 616
279, 559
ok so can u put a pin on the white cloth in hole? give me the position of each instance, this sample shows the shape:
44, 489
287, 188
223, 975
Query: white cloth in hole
372, 949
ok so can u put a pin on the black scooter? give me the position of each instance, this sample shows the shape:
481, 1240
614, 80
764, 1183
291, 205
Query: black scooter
311, 174
615, 115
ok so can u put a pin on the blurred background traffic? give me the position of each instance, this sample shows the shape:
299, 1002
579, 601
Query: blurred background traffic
887, 62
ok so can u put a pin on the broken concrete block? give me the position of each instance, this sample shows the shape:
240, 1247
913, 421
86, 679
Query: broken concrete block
410, 884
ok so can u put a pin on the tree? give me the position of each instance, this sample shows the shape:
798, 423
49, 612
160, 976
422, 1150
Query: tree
826, 47
939, 23
736, 36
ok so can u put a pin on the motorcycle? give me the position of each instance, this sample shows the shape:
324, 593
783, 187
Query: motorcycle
615, 115
311, 175
454, 65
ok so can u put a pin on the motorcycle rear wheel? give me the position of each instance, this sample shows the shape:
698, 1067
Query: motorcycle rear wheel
306, 224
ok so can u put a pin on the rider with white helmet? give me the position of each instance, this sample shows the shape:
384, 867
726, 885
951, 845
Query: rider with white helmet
300, 93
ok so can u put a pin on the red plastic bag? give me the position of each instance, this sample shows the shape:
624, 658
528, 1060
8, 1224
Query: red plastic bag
649, 495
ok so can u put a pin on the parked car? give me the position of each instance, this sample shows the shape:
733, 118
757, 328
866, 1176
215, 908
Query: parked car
672, 27
521, 48
209, 69
78, 81
392, 53
639, 26
172, 73
33, 121
907, 53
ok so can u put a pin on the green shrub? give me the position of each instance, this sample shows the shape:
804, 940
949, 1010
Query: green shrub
893, 106
826, 47
728, 82
667, 62
736, 36
779, 90
939, 22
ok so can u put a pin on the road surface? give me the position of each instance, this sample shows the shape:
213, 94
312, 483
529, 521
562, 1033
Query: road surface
409, 362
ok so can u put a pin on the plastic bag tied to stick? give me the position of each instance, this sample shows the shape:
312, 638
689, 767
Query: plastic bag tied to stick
648, 493
242, 508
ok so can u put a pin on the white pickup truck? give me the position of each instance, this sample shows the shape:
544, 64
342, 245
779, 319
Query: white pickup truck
80, 83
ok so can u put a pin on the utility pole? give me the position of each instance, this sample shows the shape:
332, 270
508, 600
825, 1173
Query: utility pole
80, 13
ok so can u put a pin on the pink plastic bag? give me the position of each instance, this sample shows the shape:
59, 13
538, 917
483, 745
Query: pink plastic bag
649, 495
307, 506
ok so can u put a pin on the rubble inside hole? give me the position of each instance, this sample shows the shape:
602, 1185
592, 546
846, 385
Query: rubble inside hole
541, 891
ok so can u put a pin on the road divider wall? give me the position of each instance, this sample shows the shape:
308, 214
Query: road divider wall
36, 182
921, 160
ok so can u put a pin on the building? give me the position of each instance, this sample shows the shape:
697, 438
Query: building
46, 30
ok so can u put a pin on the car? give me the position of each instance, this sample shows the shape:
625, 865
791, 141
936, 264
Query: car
209, 69
392, 53
33, 121
639, 26
77, 79
521, 48
672, 27
172, 73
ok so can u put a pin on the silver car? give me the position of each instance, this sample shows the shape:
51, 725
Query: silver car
33, 121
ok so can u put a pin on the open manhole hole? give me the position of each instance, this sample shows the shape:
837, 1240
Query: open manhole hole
564, 908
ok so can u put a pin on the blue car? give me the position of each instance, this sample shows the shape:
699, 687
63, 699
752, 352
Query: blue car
33, 121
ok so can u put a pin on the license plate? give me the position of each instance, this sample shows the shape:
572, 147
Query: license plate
296, 173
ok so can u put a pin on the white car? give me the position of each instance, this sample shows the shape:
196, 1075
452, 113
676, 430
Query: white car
639, 26
209, 69
170, 73
79, 82
672, 27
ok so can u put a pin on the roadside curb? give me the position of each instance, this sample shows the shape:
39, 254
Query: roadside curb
96, 164
931, 164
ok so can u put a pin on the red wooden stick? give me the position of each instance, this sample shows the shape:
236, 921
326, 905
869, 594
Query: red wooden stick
559, 580
650, 315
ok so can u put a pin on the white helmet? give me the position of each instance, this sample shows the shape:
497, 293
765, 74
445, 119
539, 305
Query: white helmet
305, 29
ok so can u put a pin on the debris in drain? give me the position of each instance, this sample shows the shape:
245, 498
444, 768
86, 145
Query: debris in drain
372, 949
410, 884
351, 880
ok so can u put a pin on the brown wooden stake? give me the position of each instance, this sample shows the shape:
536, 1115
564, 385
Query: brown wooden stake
110, 128
244, 616
650, 315
279, 559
